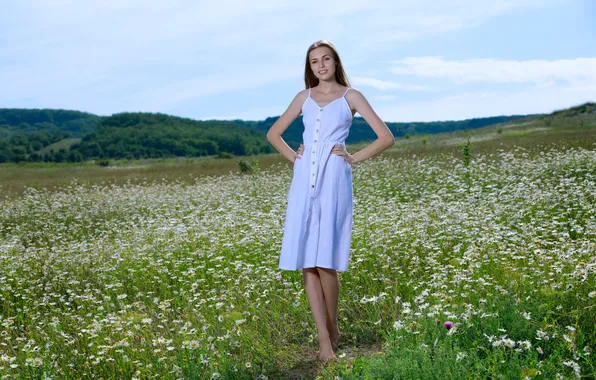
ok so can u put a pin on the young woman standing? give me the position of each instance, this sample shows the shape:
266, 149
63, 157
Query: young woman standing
318, 225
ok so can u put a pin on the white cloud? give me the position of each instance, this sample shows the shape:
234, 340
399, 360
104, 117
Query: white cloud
408, 19
550, 85
388, 85
541, 72
384, 97
161, 97
487, 103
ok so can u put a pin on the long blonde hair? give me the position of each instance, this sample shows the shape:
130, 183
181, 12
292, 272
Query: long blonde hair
310, 79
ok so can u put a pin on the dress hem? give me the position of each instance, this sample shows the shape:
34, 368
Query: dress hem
320, 266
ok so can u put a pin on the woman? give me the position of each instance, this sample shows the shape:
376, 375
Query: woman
318, 226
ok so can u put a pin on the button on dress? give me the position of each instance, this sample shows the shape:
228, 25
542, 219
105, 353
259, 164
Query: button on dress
318, 223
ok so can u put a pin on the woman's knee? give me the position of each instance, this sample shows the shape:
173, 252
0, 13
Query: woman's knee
309, 271
326, 271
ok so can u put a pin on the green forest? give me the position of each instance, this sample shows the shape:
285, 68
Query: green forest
56, 135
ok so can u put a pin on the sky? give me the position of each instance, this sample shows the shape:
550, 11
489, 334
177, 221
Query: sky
413, 60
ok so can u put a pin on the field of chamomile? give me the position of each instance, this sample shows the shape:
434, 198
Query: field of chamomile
463, 269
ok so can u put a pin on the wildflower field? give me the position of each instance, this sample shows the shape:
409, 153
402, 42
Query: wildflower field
459, 269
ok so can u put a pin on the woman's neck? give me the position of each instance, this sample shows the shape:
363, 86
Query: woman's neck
328, 87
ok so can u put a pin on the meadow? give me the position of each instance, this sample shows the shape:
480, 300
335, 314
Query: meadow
459, 269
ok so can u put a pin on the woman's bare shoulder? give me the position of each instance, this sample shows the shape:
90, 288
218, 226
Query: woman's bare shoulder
301, 96
354, 90
303, 93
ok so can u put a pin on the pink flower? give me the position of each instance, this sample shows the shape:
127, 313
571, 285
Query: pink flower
448, 324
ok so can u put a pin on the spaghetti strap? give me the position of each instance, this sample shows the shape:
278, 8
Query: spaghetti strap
348, 89
309, 92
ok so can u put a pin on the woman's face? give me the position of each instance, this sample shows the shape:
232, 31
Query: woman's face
322, 62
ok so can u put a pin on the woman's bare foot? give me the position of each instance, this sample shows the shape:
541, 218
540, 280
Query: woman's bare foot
325, 348
327, 358
334, 335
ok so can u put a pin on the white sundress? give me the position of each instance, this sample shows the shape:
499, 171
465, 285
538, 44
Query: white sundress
318, 223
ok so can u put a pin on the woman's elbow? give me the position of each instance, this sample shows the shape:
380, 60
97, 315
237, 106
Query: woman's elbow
390, 140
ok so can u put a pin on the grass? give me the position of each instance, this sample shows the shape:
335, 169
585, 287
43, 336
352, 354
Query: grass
64, 143
167, 271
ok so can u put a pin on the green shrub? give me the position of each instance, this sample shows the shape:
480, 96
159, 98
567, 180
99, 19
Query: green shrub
224, 155
247, 166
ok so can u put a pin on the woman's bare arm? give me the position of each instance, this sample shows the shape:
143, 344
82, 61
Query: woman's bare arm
278, 128
384, 136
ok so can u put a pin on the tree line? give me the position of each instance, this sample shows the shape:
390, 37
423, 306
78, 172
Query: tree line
56, 135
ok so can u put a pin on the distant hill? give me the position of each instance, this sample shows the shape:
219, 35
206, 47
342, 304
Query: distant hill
55, 135
26, 132
17, 121
147, 135
583, 109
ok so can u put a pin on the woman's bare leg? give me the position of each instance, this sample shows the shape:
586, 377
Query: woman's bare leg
330, 285
314, 292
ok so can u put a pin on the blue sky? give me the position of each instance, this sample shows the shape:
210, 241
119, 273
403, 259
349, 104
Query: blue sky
416, 60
